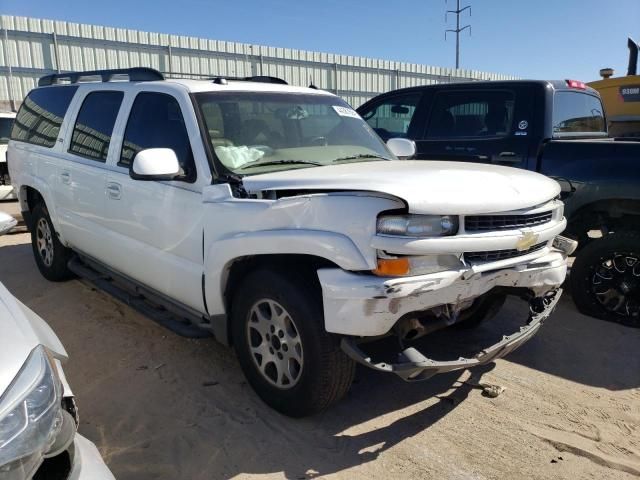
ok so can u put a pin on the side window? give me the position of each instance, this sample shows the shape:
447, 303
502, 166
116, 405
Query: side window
156, 121
94, 125
392, 117
41, 115
471, 114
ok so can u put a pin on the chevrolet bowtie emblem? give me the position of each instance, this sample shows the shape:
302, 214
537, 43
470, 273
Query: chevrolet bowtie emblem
527, 241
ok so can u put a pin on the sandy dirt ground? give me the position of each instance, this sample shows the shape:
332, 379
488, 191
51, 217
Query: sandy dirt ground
159, 406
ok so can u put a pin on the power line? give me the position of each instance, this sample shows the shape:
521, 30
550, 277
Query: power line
457, 30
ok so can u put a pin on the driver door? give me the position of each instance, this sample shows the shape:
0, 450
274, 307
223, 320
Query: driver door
394, 116
157, 226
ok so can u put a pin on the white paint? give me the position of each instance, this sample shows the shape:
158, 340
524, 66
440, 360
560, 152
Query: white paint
429, 187
156, 162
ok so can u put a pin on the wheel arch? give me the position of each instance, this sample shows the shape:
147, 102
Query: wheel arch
607, 213
302, 265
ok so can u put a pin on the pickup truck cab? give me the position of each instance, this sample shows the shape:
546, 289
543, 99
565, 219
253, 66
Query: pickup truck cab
559, 129
275, 218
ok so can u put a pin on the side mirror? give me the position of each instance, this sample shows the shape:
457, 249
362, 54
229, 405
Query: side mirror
155, 164
402, 148
7, 222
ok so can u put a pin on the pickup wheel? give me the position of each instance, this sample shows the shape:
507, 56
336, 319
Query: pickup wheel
292, 363
51, 256
605, 278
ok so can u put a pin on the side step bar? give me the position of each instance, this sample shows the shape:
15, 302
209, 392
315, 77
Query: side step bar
158, 309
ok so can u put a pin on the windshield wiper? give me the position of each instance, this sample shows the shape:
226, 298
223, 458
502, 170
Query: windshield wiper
259, 163
359, 156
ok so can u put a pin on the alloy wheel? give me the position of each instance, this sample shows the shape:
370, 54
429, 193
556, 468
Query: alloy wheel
275, 344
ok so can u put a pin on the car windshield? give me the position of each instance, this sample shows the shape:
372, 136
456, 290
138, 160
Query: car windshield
255, 133
5, 129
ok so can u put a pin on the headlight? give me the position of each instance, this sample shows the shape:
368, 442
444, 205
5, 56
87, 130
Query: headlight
30, 416
418, 225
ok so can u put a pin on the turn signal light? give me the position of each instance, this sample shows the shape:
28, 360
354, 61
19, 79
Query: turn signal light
389, 267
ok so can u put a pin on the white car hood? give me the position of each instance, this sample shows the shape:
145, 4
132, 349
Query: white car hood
428, 187
21, 330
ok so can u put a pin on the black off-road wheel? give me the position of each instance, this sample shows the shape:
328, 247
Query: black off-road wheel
292, 363
605, 278
51, 256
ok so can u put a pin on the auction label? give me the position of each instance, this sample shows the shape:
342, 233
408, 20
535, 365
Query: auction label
345, 112
630, 93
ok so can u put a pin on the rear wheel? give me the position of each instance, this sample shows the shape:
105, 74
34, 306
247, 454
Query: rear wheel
292, 363
605, 278
50, 255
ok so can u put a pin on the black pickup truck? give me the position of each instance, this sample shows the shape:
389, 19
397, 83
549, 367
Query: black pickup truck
557, 128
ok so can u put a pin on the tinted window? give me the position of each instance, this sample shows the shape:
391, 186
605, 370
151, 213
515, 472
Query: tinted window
156, 121
577, 112
94, 125
41, 115
5, 129
391, 118
471, 114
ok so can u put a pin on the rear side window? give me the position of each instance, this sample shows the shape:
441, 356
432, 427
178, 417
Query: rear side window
5, 129
94, 125
156, 121
575, 112
471, 114
392, 117
41, 115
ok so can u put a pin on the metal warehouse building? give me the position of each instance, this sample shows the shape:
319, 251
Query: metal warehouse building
33, 47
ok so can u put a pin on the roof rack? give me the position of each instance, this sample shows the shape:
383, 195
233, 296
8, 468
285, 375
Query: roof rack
258, 78
135, 74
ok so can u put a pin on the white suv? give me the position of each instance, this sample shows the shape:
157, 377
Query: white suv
273, 217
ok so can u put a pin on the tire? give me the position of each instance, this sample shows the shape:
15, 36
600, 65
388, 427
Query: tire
51, 256
605, 278
483, 308
318, 372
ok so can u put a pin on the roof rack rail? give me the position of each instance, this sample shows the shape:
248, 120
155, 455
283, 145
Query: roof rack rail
258, 78
135, 74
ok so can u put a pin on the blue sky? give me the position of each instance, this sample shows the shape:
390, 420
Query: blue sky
533, 39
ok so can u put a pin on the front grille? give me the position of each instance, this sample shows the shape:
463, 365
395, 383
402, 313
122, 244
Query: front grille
495, 255
486, 223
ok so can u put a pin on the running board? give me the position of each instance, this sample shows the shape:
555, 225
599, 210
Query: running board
164, 312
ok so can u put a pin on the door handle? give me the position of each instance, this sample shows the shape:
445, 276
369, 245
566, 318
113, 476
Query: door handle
65, 177
508, 158
114, 190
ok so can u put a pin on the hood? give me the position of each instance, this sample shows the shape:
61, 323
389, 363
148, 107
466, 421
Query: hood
21, 330
428, 187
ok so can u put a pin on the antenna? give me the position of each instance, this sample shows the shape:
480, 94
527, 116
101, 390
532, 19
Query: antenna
457, 30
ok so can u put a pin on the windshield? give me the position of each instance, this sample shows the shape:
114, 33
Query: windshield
5, 129
262, 132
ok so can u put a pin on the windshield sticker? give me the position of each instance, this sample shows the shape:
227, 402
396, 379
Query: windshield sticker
345, 112
523, 125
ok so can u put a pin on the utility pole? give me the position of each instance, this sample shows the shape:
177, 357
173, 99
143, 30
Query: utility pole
457, 30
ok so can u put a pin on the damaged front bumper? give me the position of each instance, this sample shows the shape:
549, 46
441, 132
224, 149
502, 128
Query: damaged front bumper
411, 365
364, 305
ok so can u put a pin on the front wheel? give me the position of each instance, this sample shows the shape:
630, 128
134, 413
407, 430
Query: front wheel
605, 278
292, 363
